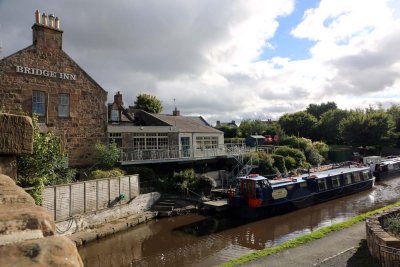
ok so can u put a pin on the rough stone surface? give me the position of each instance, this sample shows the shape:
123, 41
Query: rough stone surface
12, 194
16, 135
8, 166
27, 232
51, 251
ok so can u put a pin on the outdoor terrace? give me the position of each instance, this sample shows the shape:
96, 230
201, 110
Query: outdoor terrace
130, 155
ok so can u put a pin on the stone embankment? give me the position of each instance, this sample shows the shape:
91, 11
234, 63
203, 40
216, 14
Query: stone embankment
27, 231
378, 237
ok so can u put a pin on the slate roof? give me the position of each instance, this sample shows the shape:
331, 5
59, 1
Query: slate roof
186, 124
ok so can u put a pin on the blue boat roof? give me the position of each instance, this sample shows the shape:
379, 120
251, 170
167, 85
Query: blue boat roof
301, 178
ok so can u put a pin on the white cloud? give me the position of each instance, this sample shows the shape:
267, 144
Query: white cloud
205, 53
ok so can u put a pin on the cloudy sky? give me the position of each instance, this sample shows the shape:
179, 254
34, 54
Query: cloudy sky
227, 59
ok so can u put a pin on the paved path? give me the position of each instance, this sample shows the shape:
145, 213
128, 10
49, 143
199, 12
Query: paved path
336, 249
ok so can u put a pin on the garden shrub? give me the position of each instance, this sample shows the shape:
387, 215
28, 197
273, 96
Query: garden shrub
106, 156
100, 174
296, 154
392, 224
47, 165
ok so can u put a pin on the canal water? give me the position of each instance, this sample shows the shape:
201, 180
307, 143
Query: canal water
195, 240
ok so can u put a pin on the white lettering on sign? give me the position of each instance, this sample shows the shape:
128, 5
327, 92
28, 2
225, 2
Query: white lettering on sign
46, 73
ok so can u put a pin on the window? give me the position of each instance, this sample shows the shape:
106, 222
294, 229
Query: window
347, 178
206, 142
63, 105
115, 137
321, 184
356, 177
115, 115
39, 103
151, 141
335, 182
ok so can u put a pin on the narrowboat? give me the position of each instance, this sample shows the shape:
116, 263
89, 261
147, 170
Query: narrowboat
384, 168
256, 196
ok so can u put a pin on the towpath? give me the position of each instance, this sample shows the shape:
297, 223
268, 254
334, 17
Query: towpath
346, 247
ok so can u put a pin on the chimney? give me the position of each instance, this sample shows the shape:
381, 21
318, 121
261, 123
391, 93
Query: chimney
46, 31
118, 99
176, 112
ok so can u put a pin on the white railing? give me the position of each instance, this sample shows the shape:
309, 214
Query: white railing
133, 154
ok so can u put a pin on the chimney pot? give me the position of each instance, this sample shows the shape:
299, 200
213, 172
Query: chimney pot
118, 99
176, 112
37, 17
51, 21
44, 19
57, 23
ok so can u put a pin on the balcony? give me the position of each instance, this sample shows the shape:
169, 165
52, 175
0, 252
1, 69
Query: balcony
131, 155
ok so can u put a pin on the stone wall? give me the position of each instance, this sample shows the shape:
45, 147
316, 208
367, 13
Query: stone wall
86, 123
81, 222
377, 236
26, 230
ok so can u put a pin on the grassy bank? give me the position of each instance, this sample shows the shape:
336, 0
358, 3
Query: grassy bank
306, 238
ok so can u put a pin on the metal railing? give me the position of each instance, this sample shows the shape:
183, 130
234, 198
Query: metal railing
133, 154
389, 256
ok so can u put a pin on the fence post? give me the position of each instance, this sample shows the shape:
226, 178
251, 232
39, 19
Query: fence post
55, 203
97, 194
84, 197
119, 189
130, 194
70, 200
109, 192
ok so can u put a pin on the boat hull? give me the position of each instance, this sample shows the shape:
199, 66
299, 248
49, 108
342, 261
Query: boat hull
386, 175
293, 204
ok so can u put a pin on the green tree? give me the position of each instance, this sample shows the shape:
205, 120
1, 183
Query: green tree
148, 103
248, 127
106, 156
367, 129
299, 123
229, 132
329, 126
294, 153
317, 110
47, 165
394, 112
352, 129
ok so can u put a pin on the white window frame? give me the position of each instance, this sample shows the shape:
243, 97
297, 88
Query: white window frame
39, 103
63, 106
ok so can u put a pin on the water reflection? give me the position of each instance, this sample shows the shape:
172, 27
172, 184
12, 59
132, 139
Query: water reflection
197, 240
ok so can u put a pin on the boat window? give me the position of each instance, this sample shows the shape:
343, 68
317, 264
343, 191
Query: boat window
356, 176
289, 187
347, 178
321, 184
303, 185
335, 182
365, 175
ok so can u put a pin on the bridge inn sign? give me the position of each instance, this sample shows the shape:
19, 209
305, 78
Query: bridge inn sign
46, 73
43, 79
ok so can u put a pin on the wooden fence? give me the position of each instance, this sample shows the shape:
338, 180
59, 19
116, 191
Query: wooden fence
65, 201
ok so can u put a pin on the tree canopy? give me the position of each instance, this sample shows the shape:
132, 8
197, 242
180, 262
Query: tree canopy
249, 127
300, 123
317, 110
329, 125
148, 103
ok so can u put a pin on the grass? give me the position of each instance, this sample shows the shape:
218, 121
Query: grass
320, 233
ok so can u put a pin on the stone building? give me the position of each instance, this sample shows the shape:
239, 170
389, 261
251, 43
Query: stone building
146, 136
44, 80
